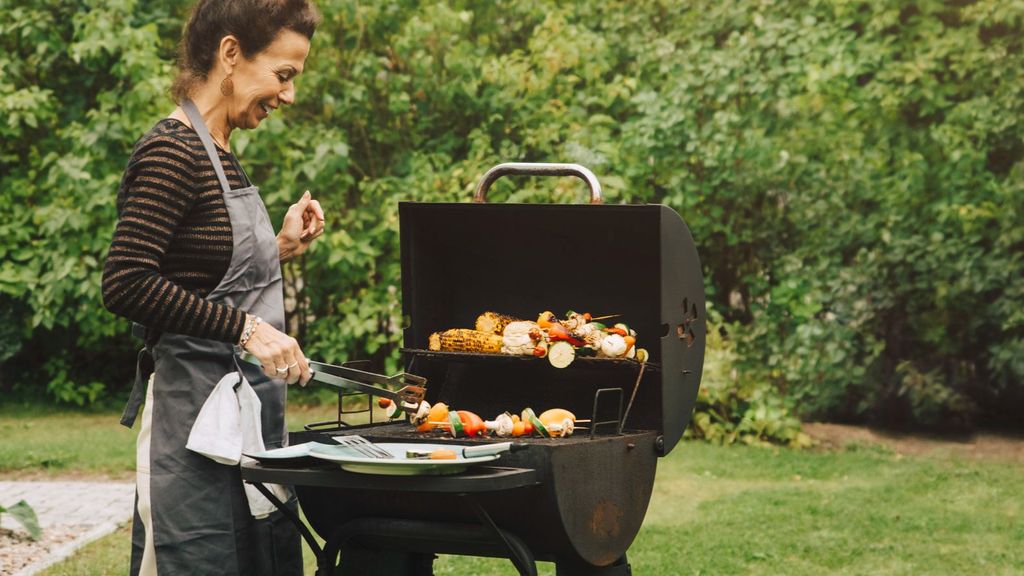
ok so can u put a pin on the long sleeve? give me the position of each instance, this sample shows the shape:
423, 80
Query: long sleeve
158, 194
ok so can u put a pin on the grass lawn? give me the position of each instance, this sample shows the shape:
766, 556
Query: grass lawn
38, 441
715, 510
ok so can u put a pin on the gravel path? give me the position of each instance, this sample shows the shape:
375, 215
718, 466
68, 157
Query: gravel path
71, 515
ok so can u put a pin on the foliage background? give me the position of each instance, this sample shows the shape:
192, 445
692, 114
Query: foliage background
851, 172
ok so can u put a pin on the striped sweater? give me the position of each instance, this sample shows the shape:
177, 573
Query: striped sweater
172, 243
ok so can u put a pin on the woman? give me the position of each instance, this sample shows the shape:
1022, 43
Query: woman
195, 260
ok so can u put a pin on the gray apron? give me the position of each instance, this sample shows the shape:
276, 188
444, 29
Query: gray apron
200, 515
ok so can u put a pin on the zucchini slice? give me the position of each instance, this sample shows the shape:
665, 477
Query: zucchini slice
561, 354
538, 426
456, 424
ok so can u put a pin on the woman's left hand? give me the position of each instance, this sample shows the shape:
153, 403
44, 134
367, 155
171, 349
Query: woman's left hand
303, 223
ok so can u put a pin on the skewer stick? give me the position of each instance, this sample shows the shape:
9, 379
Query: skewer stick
606, 317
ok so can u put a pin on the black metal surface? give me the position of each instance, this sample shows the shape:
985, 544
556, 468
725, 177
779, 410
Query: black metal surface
459, 260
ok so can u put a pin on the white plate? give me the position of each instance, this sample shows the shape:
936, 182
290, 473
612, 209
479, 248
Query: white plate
399, 465
287, 453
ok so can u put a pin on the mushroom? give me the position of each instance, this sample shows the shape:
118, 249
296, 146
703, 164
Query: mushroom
561, 429
422, 412
500, 426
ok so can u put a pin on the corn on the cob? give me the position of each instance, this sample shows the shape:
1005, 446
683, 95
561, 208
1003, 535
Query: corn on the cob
493, 322
465, 340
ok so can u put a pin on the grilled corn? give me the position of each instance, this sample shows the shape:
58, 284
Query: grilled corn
493, 322
465, 340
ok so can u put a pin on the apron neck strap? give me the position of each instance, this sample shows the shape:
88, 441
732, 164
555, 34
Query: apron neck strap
204, 134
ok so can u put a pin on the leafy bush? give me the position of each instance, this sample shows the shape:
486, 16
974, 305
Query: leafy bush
885, 175
736, 406
851, 172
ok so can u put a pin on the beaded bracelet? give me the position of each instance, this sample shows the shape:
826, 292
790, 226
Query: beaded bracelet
250, 329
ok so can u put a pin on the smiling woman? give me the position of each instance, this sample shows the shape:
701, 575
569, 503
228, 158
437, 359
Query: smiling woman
251, 51
195, 261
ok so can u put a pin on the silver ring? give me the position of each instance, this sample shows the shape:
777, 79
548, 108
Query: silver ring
292, 365
281, 370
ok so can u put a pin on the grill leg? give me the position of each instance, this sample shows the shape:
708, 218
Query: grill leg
321, 569
407, 547
519, 554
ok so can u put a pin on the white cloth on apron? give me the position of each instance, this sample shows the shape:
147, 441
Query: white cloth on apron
229, 425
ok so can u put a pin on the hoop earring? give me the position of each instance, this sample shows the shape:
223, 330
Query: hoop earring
227, 86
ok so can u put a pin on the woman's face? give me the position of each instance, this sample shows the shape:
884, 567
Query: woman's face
268, 80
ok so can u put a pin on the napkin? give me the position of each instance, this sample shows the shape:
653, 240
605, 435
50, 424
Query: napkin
228, 424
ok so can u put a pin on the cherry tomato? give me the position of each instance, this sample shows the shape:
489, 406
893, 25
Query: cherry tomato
383, 402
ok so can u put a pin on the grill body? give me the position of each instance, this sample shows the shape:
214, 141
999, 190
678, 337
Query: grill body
588, 493
585, 511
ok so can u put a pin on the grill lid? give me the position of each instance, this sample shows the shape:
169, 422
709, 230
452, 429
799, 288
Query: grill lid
640, 261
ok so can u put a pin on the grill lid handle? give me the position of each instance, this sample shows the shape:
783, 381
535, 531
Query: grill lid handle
538, 169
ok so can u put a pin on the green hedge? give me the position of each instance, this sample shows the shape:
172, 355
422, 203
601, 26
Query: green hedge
850, 170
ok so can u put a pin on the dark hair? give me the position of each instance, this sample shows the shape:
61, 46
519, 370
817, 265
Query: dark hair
254, 22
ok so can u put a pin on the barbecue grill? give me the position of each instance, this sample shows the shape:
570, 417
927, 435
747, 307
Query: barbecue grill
577, 501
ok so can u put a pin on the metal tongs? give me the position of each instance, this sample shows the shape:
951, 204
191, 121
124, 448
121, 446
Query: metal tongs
408, 397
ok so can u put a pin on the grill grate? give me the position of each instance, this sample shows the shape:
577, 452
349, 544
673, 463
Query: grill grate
402, 431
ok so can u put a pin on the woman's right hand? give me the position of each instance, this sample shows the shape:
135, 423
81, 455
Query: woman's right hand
279, 353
